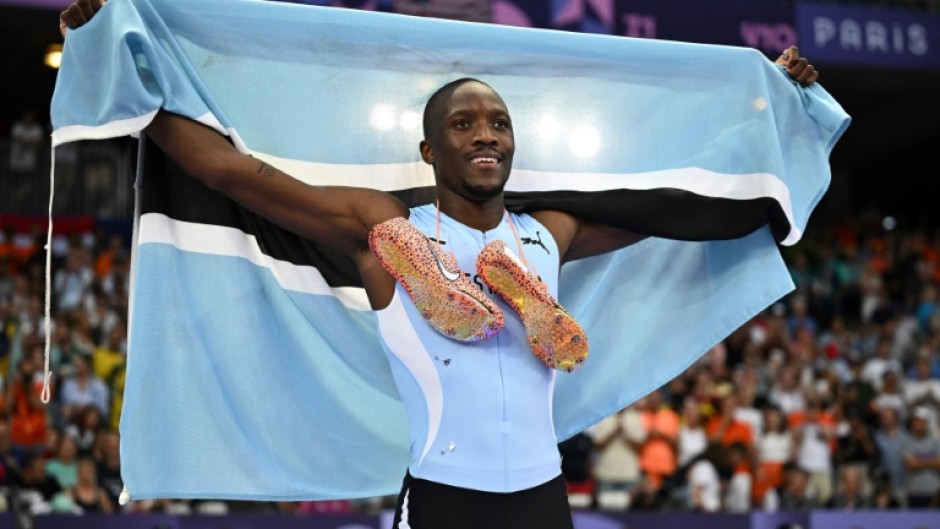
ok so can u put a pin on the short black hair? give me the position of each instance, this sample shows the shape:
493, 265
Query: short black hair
435, 100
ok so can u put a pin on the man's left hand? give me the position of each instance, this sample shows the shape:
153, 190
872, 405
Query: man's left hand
798, 68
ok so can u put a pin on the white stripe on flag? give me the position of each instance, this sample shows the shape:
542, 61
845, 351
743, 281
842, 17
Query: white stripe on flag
156, 228
394, 177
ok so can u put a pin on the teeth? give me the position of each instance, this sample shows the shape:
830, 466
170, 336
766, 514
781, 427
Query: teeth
484, 160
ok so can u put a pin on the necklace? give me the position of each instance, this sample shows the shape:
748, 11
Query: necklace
530, 269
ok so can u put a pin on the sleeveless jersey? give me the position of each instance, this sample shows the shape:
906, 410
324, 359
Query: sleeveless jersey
479, 414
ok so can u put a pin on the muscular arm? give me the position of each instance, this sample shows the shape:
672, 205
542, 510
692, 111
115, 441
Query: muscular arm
340, 217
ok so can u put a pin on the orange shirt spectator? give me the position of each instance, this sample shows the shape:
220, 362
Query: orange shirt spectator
658, 457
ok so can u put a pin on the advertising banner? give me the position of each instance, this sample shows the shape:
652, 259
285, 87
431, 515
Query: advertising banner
866, 37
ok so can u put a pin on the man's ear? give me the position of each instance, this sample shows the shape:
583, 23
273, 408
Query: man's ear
426, 153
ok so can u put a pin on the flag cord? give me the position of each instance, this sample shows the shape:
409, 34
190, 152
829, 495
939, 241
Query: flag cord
47, 375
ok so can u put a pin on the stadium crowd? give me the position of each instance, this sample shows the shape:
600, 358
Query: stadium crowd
828, 399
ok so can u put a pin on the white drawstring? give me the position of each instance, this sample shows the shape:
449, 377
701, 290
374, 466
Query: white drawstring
47, 375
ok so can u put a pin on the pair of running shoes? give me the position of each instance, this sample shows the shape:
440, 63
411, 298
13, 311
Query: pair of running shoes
454, 306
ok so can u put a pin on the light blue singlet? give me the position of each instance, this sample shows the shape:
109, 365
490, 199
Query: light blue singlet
479, 414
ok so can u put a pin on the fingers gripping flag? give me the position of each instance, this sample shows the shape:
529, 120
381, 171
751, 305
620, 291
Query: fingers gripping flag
254, 369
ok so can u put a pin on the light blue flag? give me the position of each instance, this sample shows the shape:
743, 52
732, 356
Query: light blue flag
254, 368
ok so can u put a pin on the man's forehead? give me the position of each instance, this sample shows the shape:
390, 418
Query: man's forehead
468, 95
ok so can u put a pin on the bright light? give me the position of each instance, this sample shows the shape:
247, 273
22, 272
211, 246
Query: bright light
889, 223
53, 56
410, 120
383, 117
585, 141
549, 128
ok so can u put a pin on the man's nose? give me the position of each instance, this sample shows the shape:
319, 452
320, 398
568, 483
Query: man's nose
484, 134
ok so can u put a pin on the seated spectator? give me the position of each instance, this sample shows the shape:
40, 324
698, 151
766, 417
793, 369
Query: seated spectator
86, 493
874, 370
775, 450
849, 495
923, 390
35, 488
814, 435
692, 437
738, 493
83, 389
787, 394
725, 429
617, 441
661, 425
857, 449
890, 439
704, 483
109, 465
28, 414
64, 468
921, 455
890, 394
797, 493
85, 428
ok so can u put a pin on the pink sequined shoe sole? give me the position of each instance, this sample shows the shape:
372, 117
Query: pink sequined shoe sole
444, 296
555, 337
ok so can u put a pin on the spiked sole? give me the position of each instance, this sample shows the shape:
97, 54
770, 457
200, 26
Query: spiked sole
444, 296
555, 337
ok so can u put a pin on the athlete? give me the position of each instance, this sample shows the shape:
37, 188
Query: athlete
483, 449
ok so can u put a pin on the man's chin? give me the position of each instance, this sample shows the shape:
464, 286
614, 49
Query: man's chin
484, 191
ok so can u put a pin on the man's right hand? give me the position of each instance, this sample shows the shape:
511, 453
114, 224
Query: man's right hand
77, 14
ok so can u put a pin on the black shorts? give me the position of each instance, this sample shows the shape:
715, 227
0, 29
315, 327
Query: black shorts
427, 505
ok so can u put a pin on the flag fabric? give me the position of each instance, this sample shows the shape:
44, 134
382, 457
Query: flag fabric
254, 369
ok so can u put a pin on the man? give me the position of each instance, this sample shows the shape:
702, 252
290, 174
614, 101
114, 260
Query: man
921, 454
488, 457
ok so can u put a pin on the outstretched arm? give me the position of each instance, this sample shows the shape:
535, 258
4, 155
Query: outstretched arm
340, 217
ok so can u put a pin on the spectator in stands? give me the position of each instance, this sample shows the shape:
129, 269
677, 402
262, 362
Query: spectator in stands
692, 437
83, 389
87, 494
890, 396
740, 480
891, 439
923, 390
849, 493
797, 493
85, 429
109, 465
704, 482
34, 487
617, 441
725, 429
9, 464
26, 138
64, 467
775, 450
921, 455
876, 367
814, 435
787, 394
856, 447
658, 458
25, 408
72, 282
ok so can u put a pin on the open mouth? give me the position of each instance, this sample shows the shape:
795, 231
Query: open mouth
486, 160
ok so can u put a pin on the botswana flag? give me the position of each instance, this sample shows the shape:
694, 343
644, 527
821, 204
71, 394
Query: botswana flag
254, 369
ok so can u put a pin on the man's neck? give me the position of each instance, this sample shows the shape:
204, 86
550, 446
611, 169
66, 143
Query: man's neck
483, 216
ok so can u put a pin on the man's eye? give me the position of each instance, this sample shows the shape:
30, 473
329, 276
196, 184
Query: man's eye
501, 124
461, 123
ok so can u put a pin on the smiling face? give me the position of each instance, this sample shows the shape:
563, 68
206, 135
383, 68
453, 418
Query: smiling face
469, 141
